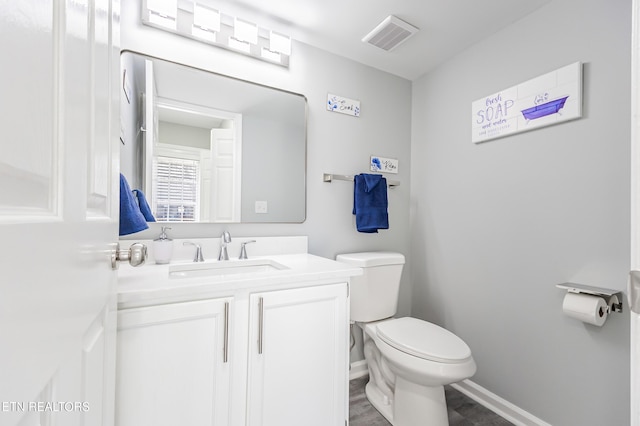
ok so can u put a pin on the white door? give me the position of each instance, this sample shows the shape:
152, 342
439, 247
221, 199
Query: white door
298, 357
58, 209
635, 211
151, 125
226, 176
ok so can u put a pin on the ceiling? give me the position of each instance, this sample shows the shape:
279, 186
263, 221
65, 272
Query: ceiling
447, 27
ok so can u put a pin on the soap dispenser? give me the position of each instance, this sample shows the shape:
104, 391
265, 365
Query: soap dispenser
163, 247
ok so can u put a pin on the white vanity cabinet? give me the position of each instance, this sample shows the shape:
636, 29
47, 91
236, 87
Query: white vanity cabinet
298, 354
172, 365
176, 361
266, 348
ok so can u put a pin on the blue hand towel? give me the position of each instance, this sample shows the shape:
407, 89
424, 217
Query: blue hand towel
144, 206
370, 202
131, 218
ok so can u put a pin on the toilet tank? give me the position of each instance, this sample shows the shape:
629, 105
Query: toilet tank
374, 295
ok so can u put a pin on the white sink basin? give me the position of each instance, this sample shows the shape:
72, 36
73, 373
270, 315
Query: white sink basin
224, 268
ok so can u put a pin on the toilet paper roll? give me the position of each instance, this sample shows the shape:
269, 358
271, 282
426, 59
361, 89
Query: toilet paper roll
586, 308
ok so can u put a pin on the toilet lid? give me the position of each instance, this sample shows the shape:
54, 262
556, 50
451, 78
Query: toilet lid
423, 339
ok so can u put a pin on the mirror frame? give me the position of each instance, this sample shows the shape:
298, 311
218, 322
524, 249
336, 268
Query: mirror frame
252, 83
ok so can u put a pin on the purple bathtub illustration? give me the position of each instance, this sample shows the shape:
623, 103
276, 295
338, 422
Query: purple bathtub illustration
544, 109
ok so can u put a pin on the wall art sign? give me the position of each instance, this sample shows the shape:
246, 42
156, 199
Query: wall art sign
545, 100
381, 164
343, 105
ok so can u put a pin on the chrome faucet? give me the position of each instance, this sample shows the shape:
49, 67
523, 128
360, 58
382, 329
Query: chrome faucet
198, 257
225, 239
243, 249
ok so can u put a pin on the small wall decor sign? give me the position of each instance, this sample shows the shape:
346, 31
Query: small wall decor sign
549, 99
385, 165
343, 105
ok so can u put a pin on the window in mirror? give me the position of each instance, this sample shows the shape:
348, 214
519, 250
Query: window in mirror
177, 194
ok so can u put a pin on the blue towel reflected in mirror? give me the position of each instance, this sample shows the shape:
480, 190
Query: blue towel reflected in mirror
144, 206
131, 218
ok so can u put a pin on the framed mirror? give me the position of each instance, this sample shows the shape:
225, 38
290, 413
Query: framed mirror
205, 147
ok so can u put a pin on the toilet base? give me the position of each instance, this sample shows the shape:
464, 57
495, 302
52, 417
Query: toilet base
379, 401
416, 404
413, 404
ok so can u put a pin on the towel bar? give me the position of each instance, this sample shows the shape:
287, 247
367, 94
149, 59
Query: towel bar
328, 177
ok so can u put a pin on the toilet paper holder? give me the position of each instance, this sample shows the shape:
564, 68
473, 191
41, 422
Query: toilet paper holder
605, 293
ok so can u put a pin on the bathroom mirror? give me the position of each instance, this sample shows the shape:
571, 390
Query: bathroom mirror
205, 147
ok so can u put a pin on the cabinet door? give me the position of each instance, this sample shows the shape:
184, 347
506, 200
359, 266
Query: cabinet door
172, 365
298, 370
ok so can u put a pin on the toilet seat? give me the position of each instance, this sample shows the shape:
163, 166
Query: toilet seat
424, 340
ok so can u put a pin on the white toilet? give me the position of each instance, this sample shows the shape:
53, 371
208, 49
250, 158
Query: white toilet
409, 360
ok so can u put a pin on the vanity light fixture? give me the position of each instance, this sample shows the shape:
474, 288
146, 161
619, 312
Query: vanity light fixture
280, 43
206, 18
242, 46
206, 22
271, 55
198, 20
163, 13
245, 31
206, 35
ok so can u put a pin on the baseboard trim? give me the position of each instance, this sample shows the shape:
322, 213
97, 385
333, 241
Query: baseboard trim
358, 369
482, 396
498, 405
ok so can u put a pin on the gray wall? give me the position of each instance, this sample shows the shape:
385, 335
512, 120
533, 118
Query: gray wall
180, 134
336, 143
269, 148
130, 147
496, 225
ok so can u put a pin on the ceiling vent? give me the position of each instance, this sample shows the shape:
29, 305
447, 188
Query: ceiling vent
390, 33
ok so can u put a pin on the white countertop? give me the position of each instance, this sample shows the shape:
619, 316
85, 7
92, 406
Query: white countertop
150, 284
